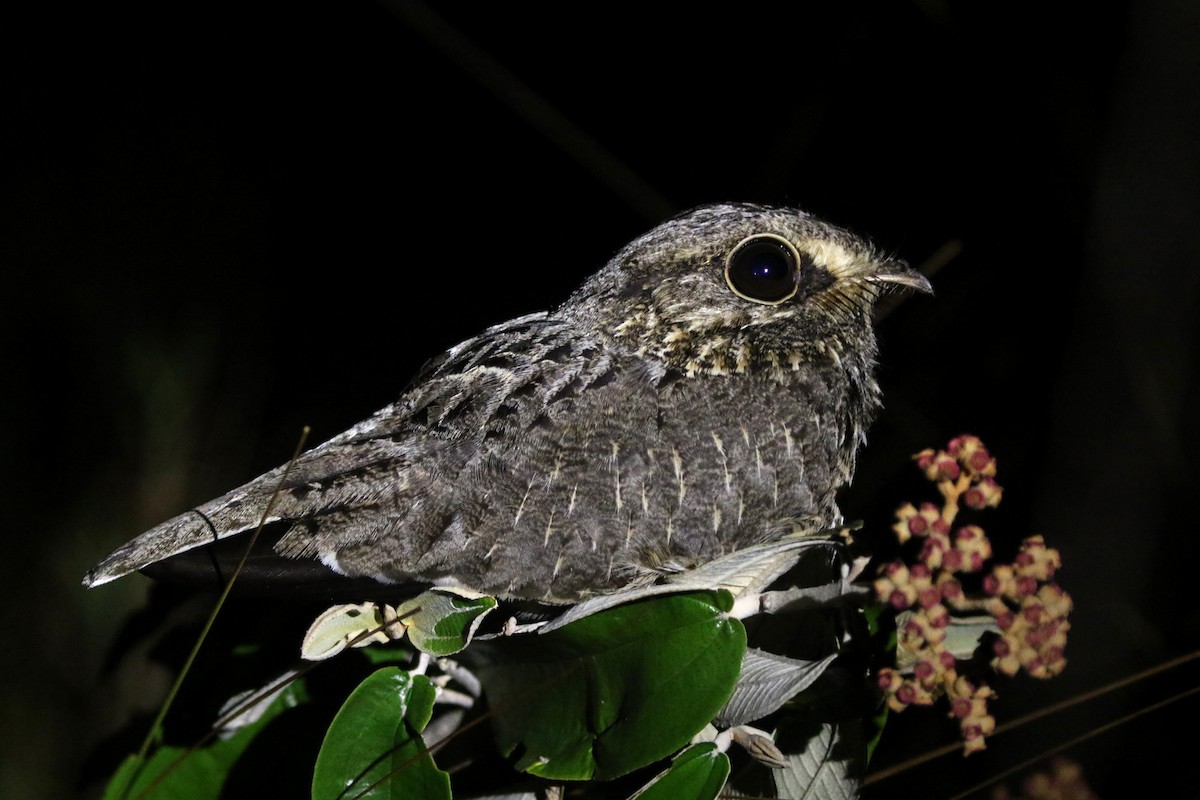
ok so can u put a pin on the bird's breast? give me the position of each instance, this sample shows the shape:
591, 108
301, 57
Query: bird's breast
660, 478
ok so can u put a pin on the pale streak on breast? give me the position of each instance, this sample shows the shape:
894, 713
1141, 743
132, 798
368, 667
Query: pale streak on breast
549, 529
677, 461
716, 517
521, 507
724, 462
554, 473
616, 449
571, 503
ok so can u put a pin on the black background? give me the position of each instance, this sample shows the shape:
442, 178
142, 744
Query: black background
224, 221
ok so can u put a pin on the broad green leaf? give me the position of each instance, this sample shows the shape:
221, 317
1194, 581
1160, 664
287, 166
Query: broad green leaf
698, 773
373, 749
616, 691
173, 773
441, 622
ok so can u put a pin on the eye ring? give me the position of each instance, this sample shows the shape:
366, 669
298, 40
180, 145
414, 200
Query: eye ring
763, 268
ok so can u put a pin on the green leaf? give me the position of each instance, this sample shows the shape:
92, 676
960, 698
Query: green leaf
698, 773
617, 690
441, 622
373, 748
825, 760
176, 774
767, 681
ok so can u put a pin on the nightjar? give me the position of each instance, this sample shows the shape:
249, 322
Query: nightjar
704, 391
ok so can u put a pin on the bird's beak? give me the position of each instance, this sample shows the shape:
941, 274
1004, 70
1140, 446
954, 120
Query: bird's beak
899, 274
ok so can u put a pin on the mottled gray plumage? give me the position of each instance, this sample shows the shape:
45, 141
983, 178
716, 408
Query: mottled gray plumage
654, 421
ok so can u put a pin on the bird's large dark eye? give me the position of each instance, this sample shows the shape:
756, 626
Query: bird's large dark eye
763, 268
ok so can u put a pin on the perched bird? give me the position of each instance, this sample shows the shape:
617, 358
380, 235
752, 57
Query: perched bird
705, 391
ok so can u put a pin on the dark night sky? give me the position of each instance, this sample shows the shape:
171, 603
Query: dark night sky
225, 221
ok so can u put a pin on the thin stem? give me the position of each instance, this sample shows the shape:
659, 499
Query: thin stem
155, 731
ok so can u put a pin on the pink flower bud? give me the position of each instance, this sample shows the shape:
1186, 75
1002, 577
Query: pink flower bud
929, 597
951, 589
938, 616
960, 707
923, 670
979, 461
952, 560
945, 468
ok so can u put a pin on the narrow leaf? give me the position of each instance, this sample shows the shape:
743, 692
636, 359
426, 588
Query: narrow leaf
177, 774
697, 773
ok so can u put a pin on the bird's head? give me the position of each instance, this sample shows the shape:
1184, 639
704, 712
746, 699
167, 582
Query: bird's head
731, 288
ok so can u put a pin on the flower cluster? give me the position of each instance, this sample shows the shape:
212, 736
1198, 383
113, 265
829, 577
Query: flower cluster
1026, 610
1064, 781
